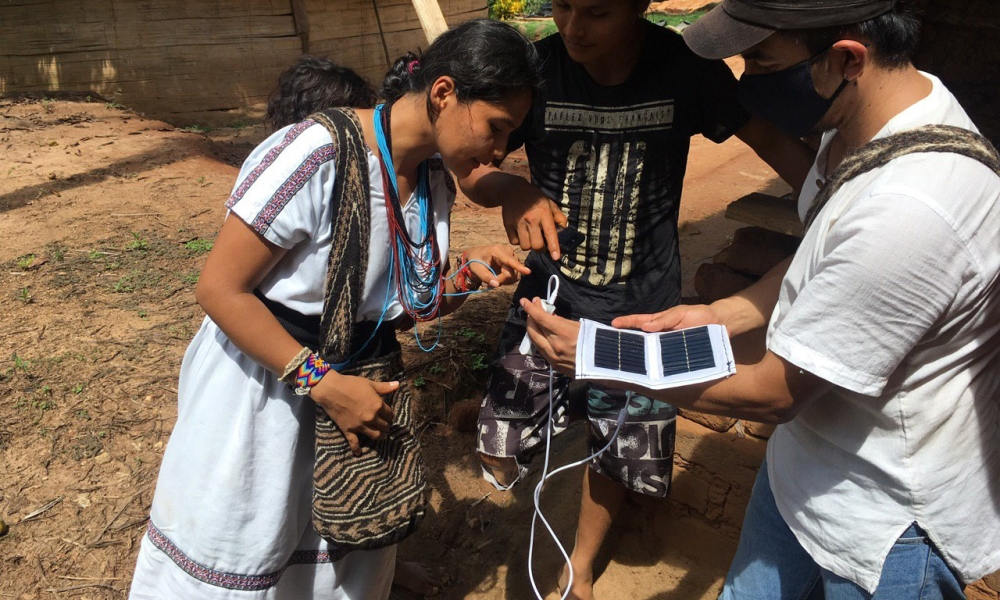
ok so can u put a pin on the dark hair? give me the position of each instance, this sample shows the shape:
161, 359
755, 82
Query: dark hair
314, 84
487, 59
893, 36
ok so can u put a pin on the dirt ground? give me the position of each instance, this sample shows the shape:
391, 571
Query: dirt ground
105, 221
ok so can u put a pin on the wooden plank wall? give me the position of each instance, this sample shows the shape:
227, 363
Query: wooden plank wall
180, 60
161, 57
961, 45
347, 31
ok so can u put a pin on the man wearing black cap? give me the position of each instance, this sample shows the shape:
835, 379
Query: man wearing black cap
883, 340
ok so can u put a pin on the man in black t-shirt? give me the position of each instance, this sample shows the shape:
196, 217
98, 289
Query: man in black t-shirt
607, 145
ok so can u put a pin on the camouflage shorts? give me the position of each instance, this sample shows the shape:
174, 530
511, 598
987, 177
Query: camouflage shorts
514, 419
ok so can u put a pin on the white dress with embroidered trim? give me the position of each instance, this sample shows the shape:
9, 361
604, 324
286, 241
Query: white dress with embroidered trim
231, 513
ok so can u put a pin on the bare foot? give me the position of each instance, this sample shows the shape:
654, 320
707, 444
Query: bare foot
583, 587
416, 577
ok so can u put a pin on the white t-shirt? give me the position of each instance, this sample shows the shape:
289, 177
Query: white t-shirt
292, 174
894, 297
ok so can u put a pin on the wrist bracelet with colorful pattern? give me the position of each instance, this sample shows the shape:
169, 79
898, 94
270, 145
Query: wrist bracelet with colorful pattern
309, 373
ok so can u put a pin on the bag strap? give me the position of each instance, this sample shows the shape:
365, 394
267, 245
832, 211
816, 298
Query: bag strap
878, 153
351, 233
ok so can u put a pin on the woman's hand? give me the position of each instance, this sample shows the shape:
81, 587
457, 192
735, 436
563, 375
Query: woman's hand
355, 404
553, 337
500, 258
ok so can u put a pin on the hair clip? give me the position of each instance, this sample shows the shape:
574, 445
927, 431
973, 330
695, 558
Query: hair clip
412, 65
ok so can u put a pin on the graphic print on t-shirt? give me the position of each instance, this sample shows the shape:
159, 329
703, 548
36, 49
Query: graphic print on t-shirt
603, 178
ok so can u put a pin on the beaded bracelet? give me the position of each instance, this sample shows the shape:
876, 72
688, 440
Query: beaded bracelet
463, 276
309, 373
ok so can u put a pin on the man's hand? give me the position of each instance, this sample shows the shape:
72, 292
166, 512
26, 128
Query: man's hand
531, 221
553, 337
529, 217
678, 317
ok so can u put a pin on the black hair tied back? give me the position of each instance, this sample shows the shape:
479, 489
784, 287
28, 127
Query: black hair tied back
488, 60
399, 78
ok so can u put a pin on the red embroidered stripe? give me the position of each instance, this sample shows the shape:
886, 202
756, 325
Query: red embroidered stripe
233, 581
269, 158
291, 186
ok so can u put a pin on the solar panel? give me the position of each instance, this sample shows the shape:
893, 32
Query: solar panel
654, 360
620, 351
686, 351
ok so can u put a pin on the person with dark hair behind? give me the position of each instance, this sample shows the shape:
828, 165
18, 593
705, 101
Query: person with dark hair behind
883, 332
314, 83
292, 471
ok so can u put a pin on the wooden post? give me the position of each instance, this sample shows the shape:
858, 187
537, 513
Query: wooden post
301, 17
431, 18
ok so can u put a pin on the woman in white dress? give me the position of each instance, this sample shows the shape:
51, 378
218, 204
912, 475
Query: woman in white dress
231, 517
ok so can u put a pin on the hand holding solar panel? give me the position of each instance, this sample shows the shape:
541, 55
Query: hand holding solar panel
653, 360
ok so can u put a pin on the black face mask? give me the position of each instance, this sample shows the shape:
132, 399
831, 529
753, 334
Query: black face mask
788, 97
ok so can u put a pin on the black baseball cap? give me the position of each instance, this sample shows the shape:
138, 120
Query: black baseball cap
738, 25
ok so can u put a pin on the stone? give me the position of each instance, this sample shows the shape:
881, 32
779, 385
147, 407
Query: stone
716, 281
755, 250
758, 430
713, 422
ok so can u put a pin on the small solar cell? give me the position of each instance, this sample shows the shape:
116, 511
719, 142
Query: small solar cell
686, 351
619, 351
606, 349
633, 353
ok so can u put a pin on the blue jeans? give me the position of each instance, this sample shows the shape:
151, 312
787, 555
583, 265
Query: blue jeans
770, 564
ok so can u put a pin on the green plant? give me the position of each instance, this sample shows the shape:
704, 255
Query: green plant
20, 364
537, 29
96, 255
56, 251
78, 389
191, 278
25, 296
138, 243
419, 381
113, 103
478, 361
199, 246
142, 314
436, 369
124, 285
505, 9
674, 20
135, 280
196, 129
472, 335
25, 261
530, 7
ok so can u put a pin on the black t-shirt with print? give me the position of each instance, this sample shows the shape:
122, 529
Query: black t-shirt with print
613, 158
